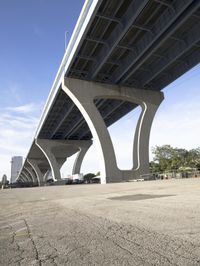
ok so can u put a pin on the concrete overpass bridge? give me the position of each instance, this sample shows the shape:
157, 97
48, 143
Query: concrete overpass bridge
121, 55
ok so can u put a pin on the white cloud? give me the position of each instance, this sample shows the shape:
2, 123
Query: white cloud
177, 125
13, 91
27, 108
18, 125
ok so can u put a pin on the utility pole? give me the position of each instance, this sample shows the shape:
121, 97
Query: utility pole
66, 33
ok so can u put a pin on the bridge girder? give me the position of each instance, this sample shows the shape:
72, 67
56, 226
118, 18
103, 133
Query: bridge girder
163, 28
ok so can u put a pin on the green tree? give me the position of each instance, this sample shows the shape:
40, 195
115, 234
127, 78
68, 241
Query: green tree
193, 158
163, 156
88, 177
154, 167
167, 158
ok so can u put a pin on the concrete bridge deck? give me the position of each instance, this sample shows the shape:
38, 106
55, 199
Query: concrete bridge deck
143, 223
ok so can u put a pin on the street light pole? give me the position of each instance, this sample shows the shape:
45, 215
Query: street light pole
66, 33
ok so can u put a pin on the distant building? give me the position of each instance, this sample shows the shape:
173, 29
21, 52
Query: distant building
16, 164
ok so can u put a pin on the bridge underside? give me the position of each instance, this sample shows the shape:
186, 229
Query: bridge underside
140, 45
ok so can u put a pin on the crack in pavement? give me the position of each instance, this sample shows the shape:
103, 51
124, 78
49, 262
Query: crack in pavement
33, 243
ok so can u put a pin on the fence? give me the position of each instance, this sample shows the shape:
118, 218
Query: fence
169, 175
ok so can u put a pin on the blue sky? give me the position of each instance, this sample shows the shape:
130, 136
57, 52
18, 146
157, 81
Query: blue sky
31, 48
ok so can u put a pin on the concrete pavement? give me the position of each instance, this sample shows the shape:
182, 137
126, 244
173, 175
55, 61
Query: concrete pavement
143, 223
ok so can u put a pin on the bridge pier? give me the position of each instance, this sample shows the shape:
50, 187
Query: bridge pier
83, 148
31, 173
46, 147
22, 178
83, 94
25, 177
27, 174
57, 151
35, 165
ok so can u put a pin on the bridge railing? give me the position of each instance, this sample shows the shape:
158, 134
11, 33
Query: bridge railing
82, 23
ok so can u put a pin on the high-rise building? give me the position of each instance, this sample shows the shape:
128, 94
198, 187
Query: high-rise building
16, 164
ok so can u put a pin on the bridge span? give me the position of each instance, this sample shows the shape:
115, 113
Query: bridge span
121, 55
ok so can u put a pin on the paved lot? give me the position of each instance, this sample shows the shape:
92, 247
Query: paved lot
143, 223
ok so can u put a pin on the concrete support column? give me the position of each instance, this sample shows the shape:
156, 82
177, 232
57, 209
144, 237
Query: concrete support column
34, 165
61, 161
22, 178
45, 177
46, 147
31, 171
27, 173
26, 179
141, 139
57, 151
83, 94
30, 178
79, 158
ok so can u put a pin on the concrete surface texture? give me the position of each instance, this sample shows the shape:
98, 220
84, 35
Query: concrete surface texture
134, 223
